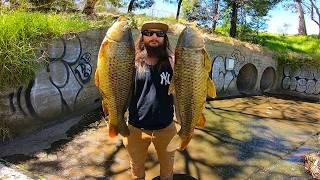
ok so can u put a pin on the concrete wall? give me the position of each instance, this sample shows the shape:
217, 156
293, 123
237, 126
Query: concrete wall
240, 71
303, 82
65, 86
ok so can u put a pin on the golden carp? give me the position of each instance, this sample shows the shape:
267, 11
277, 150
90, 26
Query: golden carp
190, 85
114, 76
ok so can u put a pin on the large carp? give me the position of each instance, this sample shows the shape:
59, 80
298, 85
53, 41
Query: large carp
114, 76
190, 85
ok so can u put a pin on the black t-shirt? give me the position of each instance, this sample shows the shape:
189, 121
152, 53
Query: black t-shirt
151, 107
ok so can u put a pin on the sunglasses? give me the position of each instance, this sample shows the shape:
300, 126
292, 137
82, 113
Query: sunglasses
150, 33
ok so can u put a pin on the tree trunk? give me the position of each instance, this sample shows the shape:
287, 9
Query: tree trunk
130, 6
234, 17
89, 8
178, 10
215, 15
302, 24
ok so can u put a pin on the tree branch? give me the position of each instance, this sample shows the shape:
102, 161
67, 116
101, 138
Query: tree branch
314, 7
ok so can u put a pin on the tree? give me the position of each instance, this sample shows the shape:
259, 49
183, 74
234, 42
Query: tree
215, 15
130, 6
251, 8
89, 8
313, 7
295, 6
302, 24
197, 11
234, 17
139, 4
178, 10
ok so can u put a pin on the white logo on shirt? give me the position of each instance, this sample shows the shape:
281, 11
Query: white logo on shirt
165, 78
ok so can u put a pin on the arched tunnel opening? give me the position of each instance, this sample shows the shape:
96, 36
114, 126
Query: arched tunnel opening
267, 79
247, 78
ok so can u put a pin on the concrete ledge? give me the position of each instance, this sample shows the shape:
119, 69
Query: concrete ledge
10, 171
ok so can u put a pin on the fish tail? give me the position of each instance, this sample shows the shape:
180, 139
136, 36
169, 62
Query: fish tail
212, 92
202, 121
113, 131
174, 144
184, 142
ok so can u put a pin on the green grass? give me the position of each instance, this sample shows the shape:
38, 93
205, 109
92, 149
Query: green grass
300, 44
288, 49
20, 34
293, 49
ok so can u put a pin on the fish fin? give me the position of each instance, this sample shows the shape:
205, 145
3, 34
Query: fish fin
207, 61
202, 121
174, 143
184, 142
96, 78
113, 131
171, 88
103, 51
211, 89
104, 106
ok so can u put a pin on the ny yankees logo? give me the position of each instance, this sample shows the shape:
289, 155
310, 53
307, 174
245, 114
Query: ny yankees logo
165, 78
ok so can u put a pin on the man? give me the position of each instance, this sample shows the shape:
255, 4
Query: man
151, 108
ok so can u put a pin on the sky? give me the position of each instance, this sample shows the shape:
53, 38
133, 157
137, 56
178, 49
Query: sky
278, 18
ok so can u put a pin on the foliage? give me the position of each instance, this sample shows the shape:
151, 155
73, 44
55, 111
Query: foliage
139, 19
197, 11
133, 22
142, 4
21, 32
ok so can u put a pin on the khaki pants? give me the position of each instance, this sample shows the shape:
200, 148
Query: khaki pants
137, 144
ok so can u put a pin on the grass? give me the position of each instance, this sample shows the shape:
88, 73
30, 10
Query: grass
21, 32
288, 49
293, 49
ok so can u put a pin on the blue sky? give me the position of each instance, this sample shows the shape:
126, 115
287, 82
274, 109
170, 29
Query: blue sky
278, 18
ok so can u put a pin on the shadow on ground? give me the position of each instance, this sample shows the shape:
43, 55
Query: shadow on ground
254, 137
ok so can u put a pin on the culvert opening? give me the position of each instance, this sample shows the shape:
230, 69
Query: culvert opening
247, 78
267, 79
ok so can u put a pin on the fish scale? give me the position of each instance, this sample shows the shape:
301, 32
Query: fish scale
190, 85
115, 75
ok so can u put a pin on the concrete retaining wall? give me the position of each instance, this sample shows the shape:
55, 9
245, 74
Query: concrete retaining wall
303, 82
240, 71
66, 85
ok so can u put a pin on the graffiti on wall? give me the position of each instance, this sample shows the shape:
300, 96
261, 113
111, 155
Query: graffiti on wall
224, 73
56, 89
303, 79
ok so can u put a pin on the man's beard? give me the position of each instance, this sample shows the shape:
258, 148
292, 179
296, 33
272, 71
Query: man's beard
156, 51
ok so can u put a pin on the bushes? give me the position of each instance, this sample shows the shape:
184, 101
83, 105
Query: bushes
21, 32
